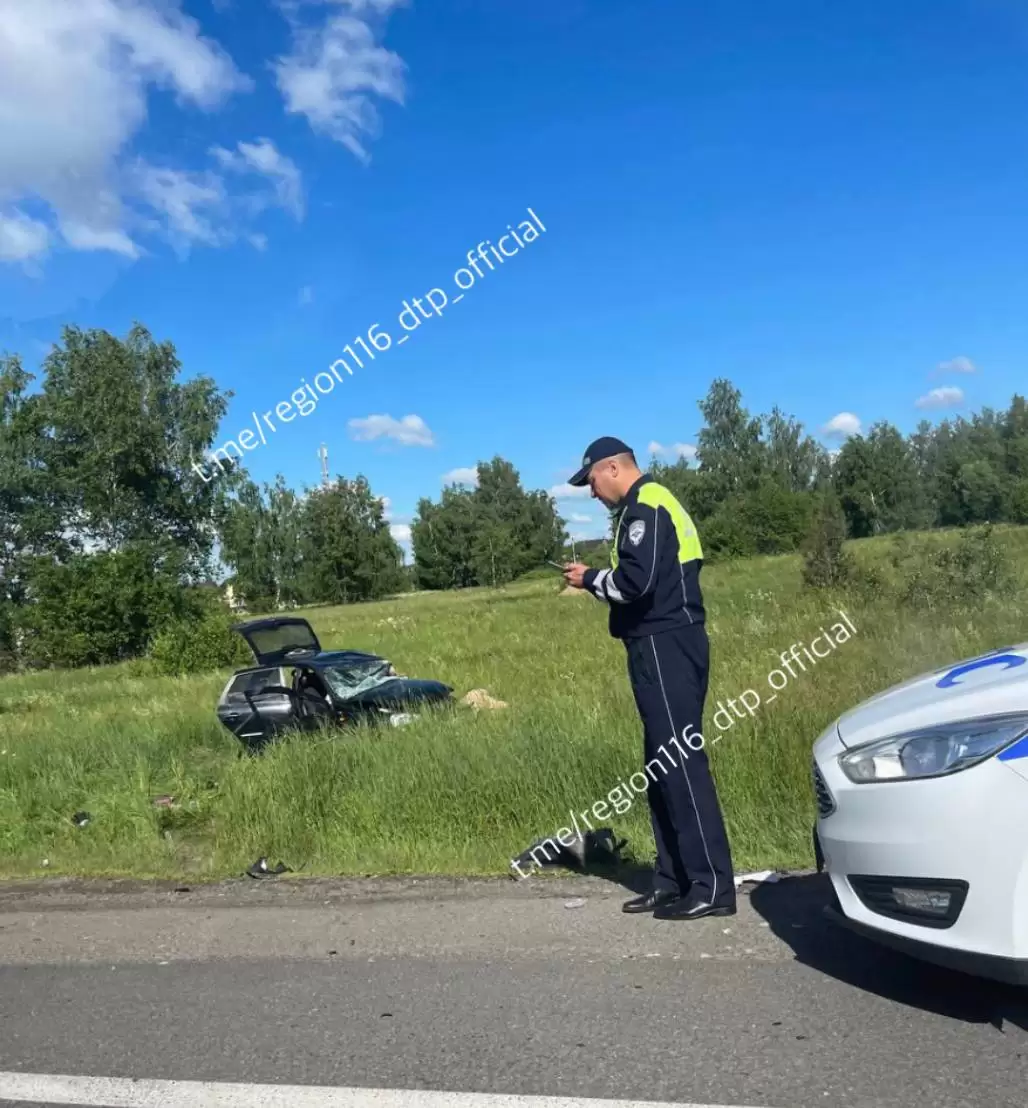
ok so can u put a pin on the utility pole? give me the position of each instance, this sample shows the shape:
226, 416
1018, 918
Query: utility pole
323, 455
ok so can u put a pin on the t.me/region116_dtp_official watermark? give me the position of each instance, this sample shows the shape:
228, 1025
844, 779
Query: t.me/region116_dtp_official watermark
623, 795
481, 259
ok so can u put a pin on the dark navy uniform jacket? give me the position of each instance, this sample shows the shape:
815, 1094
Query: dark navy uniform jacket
653, 584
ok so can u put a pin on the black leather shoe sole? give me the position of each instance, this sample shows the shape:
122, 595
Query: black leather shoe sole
680, 911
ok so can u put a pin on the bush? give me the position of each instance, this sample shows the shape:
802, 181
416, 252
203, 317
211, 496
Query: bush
99, 608
933, 572
1019, 501
826, 564
957, 575
768, 519
200, 643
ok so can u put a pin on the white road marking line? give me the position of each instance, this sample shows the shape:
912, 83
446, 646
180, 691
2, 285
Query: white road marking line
117, 1092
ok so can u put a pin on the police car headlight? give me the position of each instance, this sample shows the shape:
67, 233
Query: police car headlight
933, 751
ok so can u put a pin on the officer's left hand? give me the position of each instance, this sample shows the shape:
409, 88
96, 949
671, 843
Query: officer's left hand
574, 573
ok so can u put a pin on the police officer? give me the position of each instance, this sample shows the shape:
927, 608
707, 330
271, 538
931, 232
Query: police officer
656, 608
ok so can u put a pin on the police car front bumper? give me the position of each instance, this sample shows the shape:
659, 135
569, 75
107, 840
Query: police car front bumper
934, 867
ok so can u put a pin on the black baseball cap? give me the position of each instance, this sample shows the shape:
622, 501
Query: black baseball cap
607, 447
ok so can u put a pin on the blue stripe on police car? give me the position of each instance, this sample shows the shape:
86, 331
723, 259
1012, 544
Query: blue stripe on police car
1008, 661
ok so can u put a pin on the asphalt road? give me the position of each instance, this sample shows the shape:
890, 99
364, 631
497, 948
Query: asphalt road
483, 987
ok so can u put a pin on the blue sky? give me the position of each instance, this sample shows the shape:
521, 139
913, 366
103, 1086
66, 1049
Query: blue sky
825, 203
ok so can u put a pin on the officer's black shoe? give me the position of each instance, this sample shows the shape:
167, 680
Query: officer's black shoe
658, 898
694, 906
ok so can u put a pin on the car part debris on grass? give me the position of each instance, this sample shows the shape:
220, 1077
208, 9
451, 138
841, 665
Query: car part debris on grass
80, 819
260, 869
594, 848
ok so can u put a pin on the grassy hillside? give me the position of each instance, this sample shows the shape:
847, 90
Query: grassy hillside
461, 792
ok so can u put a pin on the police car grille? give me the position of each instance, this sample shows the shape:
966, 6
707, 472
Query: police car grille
825, 802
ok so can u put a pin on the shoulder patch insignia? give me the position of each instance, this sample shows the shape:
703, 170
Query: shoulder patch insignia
636, 531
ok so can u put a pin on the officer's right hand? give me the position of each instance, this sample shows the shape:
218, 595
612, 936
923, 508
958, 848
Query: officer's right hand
574, 574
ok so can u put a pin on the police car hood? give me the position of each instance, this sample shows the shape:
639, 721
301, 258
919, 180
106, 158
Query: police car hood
989, 685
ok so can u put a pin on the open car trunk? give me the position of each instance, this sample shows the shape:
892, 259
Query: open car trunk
278, 639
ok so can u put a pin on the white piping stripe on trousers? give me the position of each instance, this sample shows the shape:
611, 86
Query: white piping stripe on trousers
692, 797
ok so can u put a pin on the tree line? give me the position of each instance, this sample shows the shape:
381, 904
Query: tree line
757, 483
109, 533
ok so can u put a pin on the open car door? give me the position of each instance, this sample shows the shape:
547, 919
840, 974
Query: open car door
278, 639
257, 707
260, 705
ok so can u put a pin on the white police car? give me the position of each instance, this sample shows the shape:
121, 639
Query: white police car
922, 796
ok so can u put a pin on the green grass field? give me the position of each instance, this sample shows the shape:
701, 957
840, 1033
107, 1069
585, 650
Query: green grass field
457, 793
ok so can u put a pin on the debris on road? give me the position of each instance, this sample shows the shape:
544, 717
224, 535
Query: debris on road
480, 698
577, 902
761, 877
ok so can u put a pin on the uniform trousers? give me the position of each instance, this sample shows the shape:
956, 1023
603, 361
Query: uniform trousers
669, 672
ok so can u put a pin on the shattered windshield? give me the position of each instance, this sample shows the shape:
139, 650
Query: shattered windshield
351, 678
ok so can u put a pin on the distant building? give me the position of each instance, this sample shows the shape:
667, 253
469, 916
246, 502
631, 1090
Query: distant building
230, 598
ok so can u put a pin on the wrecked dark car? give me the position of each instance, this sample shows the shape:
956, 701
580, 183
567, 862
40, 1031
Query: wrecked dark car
297, 686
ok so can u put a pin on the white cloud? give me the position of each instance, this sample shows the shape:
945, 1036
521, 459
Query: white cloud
947, 397
263, 158
80, 236
841, 426
957, 365
676, 450
189, 203
577, 517
409, 431
569, 492
463, 475
22, 238
74, 80
387, 507
337, 67
199, 207
400, 531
